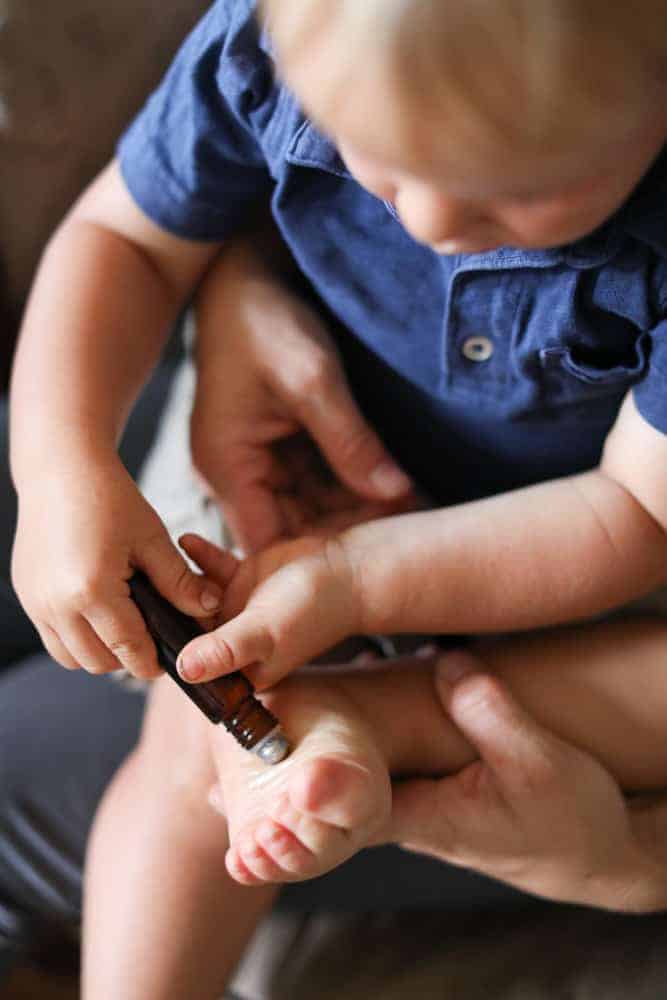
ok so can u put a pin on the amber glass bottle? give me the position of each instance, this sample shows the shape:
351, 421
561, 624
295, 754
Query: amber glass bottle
228, 700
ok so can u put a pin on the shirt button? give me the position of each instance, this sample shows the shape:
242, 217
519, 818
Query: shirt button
477, 348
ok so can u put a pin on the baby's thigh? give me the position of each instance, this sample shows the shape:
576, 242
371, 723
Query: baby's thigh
175, 743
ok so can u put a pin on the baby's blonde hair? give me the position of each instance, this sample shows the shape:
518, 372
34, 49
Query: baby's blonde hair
525, 72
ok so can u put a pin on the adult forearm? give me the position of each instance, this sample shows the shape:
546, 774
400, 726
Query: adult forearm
550, 553
95, 324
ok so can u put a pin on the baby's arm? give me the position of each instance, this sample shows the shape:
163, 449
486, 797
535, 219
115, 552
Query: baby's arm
559, 551
108, 289
556, 552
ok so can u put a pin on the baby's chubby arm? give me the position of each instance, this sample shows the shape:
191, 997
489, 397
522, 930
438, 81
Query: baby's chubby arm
555, 552
109, 287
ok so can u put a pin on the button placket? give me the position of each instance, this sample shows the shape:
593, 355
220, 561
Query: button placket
478, 332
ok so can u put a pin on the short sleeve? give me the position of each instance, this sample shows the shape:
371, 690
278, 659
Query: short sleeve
192, 159
651, 393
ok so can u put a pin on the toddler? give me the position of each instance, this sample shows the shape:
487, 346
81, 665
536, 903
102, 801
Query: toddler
474, 191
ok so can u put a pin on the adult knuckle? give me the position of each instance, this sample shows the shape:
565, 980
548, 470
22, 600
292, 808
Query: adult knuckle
82, 592
315, 371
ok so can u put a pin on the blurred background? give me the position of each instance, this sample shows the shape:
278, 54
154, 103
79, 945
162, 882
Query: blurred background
72, 74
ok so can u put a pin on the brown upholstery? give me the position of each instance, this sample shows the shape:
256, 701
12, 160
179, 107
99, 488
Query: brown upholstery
72, 72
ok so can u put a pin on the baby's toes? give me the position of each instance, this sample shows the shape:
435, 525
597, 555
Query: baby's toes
242, 871
249, 862
342, 793
291, 857
270, 852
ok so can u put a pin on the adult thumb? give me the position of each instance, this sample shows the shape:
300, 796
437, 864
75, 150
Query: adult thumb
508, 740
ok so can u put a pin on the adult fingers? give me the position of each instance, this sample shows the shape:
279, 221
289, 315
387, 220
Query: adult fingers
254, 516
322, 401
247, 480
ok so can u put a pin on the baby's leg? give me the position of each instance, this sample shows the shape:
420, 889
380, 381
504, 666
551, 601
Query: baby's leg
599, 686
162, 918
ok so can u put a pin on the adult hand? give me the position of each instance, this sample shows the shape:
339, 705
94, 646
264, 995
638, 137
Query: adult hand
272, 404
533, 811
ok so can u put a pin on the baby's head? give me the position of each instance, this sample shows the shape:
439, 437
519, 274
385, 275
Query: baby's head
486, 122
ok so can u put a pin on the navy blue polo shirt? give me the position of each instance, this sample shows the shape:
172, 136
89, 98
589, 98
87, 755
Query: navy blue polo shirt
482, 372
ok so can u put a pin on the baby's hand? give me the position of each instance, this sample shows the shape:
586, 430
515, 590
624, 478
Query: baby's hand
281, 608
80, 536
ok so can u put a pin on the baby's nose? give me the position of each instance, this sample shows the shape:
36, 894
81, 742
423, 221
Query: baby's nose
434, 219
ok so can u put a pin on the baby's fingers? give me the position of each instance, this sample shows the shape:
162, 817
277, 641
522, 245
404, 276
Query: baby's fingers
170, 574
54, 647
297, 612
121, 639
216, 563
84, 646
242, 641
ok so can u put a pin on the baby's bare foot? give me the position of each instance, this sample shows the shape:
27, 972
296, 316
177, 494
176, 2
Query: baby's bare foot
304, 816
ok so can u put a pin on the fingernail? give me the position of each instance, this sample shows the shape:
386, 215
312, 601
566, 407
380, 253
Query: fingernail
189, 668
454, 665
389, 480
210, 600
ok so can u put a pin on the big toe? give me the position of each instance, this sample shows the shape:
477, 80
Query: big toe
340, 792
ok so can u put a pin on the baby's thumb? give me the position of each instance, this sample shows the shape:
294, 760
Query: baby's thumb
190, 592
